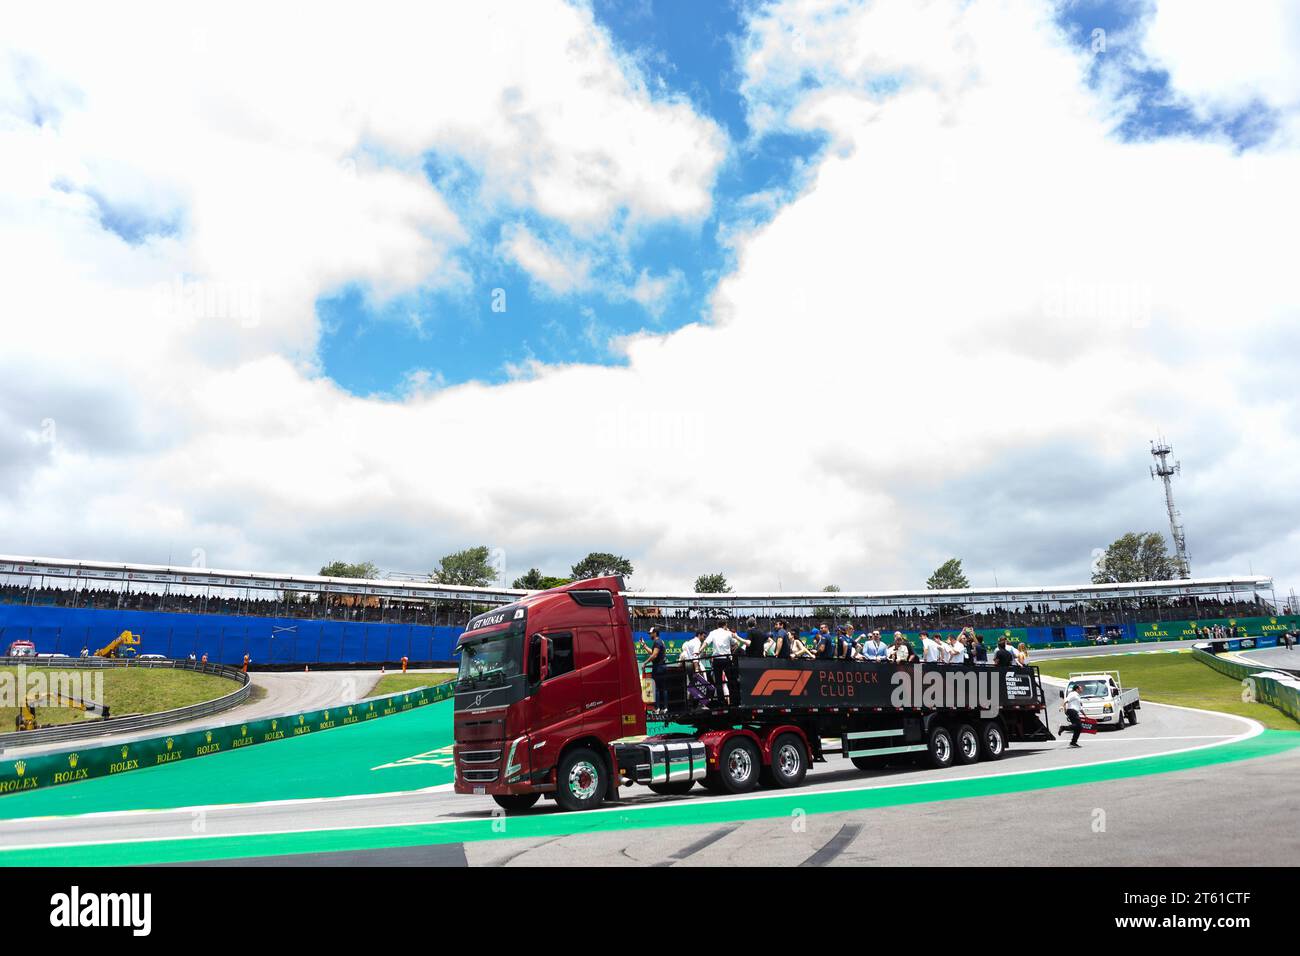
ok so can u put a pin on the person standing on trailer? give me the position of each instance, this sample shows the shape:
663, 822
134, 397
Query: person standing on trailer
874, 649
722, 642
1003, 657
825, 643
691, 650
931, 652
657, 664
781, 635
981, 652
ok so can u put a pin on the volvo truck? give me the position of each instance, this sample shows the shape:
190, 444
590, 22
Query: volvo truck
548, 703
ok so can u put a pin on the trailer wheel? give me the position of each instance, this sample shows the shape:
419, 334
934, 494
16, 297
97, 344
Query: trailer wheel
516, 802
580, 780
677, 788
789, 763
738, 765
968, 744
993, 740
940, 751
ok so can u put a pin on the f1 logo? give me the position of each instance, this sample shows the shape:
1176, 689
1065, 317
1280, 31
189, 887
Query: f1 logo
773, 681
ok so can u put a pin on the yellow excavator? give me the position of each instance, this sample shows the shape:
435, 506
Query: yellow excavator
26, 719
123, 645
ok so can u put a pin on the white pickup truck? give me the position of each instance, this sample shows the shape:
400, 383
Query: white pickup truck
1104, 698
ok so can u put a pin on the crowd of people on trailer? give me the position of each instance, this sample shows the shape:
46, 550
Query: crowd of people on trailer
722, 644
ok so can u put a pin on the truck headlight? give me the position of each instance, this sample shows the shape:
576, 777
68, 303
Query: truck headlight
1108, 708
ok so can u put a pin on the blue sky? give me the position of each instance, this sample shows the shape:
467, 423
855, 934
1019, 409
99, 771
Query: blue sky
684, 49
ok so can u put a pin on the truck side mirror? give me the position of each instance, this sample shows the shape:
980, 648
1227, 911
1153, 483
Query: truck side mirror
1061, 694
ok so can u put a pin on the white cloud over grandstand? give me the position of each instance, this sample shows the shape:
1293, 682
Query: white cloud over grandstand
956, 340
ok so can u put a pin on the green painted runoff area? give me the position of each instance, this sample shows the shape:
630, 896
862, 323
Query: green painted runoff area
675, 813
411, 750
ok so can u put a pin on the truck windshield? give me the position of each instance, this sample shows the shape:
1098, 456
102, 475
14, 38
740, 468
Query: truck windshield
1092, 688
490, 661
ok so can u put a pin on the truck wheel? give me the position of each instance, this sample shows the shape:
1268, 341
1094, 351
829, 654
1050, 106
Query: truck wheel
1119, 720
789, 763
676, 788
940, 751
738, 765
1132, 715
516, 802
580, 780
993, 740
968, 744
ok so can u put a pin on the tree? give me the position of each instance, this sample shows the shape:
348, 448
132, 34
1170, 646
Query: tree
1136, 556
826, 611
470, 567
535, 580
598, 564
948, 575
341, 569
712, 584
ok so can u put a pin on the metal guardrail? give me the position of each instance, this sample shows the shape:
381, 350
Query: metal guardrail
79, 730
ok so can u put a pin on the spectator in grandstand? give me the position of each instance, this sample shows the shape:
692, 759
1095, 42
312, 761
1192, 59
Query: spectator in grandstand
1003, 657
931, 652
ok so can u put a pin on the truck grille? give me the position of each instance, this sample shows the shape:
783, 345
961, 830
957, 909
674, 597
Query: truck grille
480, 756
478, 776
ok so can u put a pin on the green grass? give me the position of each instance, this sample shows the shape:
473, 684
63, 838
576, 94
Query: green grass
127, 690
396, 683
1175, 678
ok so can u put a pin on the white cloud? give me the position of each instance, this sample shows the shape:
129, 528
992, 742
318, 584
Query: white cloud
978, 275
1228, 57
561, 271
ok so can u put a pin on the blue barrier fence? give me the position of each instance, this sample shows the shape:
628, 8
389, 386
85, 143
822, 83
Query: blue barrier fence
225, 638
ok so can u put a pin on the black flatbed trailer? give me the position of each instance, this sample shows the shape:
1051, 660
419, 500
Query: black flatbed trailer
943, 713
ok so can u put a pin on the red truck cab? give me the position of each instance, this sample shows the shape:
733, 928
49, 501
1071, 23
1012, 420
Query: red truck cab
544, 685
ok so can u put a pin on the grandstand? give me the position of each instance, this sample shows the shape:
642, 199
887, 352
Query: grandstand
63, 605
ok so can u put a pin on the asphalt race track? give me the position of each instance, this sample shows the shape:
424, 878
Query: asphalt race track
1278, 657
379, 793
